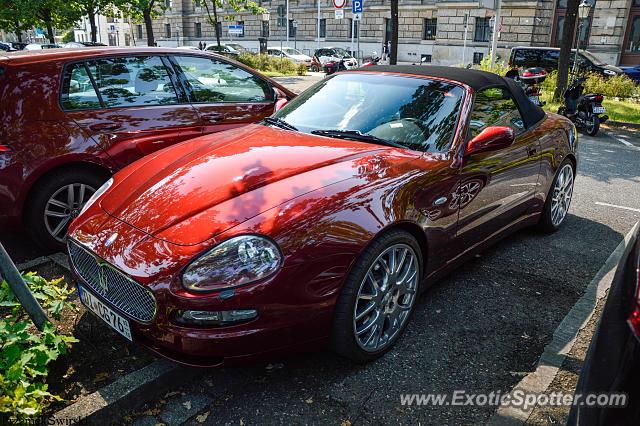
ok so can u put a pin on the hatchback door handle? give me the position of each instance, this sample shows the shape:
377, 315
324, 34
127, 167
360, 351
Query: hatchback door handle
101, 127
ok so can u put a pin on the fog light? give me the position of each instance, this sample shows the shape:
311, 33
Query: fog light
215, 317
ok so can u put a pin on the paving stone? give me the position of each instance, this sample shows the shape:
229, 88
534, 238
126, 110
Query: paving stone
145, 421
179, 410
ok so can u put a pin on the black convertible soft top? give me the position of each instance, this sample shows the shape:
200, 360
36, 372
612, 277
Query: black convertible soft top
477, 80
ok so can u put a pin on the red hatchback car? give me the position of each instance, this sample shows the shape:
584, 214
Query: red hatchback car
323, 222
71, 118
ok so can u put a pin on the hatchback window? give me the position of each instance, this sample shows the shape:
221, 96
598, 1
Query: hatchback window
213, 81
495, 107
133, 81
526, 57
550, 59
77, 90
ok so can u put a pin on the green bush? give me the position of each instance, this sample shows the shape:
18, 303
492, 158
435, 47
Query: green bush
499, 67
301, 69
264, 62
25, 351
619, 86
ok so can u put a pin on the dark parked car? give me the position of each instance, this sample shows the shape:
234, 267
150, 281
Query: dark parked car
324, 222
223, 49
612, 364
547, 58
632, 72
71, 118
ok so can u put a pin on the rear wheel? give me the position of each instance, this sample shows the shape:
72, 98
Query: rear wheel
56, 201
378, 297
593, 125
314, 68
559, 198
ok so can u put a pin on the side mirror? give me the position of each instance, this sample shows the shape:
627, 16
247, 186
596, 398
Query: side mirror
490, 139
281, 99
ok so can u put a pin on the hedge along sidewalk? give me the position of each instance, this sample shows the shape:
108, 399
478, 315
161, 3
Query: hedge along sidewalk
126, 393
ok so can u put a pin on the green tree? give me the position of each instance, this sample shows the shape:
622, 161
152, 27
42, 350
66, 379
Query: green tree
15, 17
52, 14
145, 11
91, 8
565, 48
237, 6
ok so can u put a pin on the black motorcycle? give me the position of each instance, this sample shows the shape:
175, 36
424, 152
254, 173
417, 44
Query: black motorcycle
530, 80
583, 110
334, 66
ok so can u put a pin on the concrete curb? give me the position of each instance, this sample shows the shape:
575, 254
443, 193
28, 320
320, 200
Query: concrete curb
126, 393
612, 123
564, 338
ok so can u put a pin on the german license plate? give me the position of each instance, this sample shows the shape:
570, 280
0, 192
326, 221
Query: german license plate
598, 110
106, 314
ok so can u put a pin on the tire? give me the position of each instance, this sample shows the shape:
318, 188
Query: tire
49, 195
548, 221
314, 68
383, 313
595, 126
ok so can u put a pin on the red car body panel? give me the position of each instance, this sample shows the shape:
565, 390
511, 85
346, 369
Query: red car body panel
323, 201
42, 137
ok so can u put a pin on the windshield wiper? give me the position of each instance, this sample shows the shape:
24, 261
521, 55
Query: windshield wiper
280, 123
355, 135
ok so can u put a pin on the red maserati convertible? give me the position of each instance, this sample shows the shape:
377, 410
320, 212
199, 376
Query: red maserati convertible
321, 224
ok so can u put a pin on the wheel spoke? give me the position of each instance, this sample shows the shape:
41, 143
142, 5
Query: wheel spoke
61, 226
81, 194
58, 203
370, 307
55, 214
71, 195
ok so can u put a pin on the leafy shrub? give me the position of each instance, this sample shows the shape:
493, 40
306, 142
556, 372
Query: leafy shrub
264, 62
25, 351
499, 67
301, 69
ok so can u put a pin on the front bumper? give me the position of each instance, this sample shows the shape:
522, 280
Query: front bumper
286, 323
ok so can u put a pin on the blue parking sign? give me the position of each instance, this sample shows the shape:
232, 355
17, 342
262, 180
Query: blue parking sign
356, 6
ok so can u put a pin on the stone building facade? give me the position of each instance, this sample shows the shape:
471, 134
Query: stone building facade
431, 29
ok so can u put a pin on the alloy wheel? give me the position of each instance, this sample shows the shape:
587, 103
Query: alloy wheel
385, 297
562, 192
63, 206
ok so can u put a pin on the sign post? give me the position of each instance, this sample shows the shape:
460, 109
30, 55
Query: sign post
339, 5
356, 9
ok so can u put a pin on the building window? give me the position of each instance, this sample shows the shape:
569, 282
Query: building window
127, 39
425, 58
139, 28
264, 32
241, 23
167, 30
477, 58
353, 25
113, 41
483, 30
196, 3
198, 30
430, 26
167, 3
323, 28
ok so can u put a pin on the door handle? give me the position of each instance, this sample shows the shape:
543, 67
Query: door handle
212, 117
101, 127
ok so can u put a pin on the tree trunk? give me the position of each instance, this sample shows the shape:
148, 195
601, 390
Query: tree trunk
94, 29
18, 31
215, 17
149, 26
568, 32
49, 24
393, 56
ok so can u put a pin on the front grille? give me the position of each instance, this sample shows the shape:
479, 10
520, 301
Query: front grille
115, 287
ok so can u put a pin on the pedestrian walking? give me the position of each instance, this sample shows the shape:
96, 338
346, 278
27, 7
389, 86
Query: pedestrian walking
384, 51
200, 45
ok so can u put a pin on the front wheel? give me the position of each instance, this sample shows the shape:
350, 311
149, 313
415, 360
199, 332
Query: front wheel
378, 297
593, 125
558, 200
314, 68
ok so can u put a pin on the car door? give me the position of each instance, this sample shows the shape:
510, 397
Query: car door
224, 95
129, 105
496, 188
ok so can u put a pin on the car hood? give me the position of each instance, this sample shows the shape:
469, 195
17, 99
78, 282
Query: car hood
300, 57
195, 190
612, 68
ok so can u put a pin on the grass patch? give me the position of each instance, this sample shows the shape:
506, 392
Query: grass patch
277, 74
618, 110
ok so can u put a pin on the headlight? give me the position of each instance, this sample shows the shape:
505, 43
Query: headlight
237, 261
97, 195
609, 72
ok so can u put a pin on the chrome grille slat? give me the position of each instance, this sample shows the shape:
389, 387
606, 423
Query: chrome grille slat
122, 292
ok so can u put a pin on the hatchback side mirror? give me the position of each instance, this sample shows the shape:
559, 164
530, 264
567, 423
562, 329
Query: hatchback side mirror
491, 139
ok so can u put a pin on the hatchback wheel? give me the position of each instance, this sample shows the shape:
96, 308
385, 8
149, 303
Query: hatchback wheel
378, 297
558, 200
56, 202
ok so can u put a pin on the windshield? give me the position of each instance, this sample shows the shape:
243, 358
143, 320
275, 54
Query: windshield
414, 113
237, 47
341, 53
291, 51
591, 58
